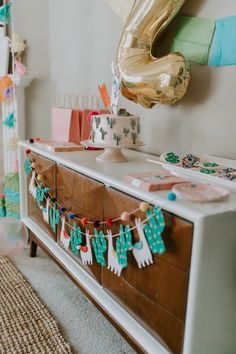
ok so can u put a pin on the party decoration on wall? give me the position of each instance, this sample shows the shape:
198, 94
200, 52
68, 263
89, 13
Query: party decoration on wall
8, 93
5, 83
153, 230
5, 15
116, 258
20, 68
223, 50
54, 217
27, 166
10, 121
113, 261
18, 45
193, 38
142, 254
86, 253
145, 79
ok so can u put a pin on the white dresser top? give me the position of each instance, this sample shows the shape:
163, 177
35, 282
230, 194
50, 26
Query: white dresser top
112, 174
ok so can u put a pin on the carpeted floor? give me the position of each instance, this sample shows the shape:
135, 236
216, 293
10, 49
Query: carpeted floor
81, 324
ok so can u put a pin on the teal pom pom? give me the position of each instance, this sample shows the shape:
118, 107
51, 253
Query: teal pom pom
10, 121
5, 15
171, 197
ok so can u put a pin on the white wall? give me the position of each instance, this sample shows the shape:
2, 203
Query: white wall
84, 35
31, 21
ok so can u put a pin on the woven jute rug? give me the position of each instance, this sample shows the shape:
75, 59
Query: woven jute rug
26, 326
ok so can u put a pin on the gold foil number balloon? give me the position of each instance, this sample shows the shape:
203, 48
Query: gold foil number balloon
145, 79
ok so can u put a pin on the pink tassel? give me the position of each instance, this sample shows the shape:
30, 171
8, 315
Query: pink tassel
20, 68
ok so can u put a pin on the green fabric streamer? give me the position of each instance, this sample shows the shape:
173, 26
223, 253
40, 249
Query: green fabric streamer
5, 15
12, 195
10, 121
193, 38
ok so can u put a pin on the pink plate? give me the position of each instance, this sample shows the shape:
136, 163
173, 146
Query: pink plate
201, 193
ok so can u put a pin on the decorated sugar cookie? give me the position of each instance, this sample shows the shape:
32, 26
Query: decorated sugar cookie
208, 171
171, 158
200, 193
227, 170
190, 161
209, 165
228, 176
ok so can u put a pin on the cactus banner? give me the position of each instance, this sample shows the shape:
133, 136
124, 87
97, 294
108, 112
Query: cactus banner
108, 250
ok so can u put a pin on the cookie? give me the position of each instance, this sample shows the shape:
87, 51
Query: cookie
190, 161
171, 158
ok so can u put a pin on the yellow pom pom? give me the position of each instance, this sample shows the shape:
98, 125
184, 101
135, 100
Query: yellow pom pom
143, 207
39, 178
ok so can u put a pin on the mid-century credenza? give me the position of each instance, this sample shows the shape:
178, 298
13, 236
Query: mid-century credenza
185, 301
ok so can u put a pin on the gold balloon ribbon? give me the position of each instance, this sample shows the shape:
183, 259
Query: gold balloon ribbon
145, 79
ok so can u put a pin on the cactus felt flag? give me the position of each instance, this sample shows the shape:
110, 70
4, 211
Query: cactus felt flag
153, 230
54, 217
99, 246
75, 239
123, 245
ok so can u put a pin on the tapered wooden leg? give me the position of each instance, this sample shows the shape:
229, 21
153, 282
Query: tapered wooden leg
33, 248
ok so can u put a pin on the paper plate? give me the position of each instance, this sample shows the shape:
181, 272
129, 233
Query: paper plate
201, 193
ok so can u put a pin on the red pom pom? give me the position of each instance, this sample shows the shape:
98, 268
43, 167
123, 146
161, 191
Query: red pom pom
27, 151
84, 249
84, 221
92, 113
109, 222
66, 235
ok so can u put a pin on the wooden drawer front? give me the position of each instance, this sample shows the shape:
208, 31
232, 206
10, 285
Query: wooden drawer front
155, 295
84, 196
47, 169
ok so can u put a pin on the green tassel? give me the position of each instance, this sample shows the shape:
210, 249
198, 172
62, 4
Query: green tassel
5, 15
10, 121
27, 166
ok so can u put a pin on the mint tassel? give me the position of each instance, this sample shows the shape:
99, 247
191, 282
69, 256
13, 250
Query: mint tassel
10, 121
5, 15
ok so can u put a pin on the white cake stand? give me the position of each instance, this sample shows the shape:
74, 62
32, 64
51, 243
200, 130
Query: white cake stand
111, 153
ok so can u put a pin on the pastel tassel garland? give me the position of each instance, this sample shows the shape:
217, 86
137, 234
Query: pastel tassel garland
5, 15
10, 121
20, 68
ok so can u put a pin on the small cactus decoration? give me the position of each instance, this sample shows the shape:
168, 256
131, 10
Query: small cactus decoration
97, 121
100, 246
153, 230
10, 121
134, 138
117, 138
40, 192
111, 122
123, 245
54, 217
126, 131
103, 132
93, 134
27, 166
75, 239
133, 123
